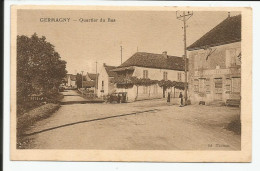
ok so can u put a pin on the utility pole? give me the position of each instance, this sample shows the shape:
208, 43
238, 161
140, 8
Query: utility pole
82, 81
96, 80
184, 17
121, 53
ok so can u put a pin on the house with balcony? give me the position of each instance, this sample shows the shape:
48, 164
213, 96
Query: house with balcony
143, 74
215, 64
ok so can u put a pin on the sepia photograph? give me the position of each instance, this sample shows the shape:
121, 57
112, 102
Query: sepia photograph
129, 79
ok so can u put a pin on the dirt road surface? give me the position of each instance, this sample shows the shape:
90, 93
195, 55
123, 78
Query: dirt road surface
143, 125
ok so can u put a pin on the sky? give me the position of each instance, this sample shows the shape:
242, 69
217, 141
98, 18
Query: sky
82, 44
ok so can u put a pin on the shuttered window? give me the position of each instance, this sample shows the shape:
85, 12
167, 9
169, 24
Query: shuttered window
165, 76
179, 76
145, 73
207, 82
218, 85
228, 85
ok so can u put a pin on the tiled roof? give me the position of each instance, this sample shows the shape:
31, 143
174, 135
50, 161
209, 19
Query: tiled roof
228, 31
109, 72
92, 76
84, 78
151, 60
88, 84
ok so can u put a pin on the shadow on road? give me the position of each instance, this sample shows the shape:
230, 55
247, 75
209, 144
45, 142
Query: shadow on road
91, 120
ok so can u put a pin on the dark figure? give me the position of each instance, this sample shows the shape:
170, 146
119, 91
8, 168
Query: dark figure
118, 98
181, 97
169, 98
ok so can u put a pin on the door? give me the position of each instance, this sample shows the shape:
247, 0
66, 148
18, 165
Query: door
164, 89
218, 89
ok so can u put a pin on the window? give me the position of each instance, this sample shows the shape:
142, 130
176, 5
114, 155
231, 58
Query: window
179, 76
228, 85
207, 82
196, 85
145, 73
218, 85
102, 85
165, 76
236, 85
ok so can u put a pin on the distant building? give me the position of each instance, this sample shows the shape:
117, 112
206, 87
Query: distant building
70, 81
215, 63
89, 81
105, 84
154, 67
91, 76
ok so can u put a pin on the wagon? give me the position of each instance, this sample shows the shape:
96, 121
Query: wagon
120, 97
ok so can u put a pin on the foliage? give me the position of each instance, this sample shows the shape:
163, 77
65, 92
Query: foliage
123, 82
40, 69
79, 80
168, 84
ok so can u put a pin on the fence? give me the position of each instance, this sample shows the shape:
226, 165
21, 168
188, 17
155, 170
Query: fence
34, 98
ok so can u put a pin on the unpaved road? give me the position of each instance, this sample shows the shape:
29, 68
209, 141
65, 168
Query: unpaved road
144, 125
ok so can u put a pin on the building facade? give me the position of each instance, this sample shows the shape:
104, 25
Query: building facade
215, 64
105, 85
155, 67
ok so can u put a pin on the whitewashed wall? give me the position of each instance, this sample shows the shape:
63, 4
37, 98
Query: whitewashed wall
157, 74
103, 76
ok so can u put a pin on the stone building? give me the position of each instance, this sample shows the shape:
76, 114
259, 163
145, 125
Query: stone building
215, 63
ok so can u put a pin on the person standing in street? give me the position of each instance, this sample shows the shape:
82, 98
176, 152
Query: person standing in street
181, 98
169, 98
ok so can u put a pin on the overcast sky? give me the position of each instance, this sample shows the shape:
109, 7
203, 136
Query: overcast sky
82, 44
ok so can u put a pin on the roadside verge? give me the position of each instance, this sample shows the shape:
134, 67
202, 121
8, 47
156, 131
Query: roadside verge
39, 113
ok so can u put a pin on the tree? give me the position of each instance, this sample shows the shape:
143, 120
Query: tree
79, 80
40, 69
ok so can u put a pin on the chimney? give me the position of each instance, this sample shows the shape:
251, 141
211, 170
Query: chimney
165, 54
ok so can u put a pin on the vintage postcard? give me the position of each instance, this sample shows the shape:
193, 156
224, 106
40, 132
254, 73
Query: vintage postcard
107, 83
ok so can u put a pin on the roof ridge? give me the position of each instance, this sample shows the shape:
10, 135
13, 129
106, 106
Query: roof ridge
109, 66
153, 60
198, 44
156, 54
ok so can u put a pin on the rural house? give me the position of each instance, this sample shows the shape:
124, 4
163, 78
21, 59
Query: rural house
70, 81
105, 80
89, 81
215, 63
148, 76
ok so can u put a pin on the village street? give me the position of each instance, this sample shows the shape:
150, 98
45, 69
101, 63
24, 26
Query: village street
142, 125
